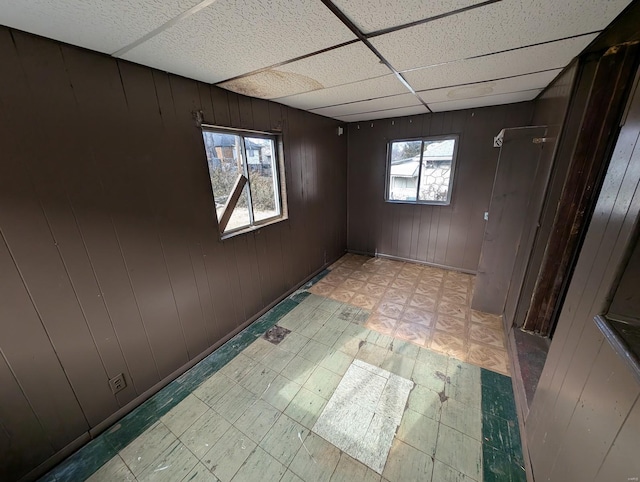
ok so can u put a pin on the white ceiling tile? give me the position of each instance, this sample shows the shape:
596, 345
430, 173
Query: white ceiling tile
105, 26
395, 101
341, 94
372, 15
486, 101
343, 65
233, 37
492, 88
384, 114
500, 26
514, 62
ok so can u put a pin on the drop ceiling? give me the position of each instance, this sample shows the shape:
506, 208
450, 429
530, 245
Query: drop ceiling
347, 59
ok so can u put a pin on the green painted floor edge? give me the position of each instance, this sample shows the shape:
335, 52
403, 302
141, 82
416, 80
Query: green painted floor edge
502, 458
89, 458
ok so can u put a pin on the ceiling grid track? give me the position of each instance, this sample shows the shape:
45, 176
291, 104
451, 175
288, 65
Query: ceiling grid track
351, 26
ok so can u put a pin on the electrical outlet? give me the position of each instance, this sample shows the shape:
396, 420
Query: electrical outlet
117, 383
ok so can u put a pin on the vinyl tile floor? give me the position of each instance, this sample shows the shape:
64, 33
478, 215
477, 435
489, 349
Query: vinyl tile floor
428, 306
334, 399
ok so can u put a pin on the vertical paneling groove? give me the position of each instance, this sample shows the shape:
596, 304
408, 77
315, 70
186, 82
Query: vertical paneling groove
445, 235
110, 254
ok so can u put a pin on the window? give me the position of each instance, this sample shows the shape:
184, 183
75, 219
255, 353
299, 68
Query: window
421, 170
245, 170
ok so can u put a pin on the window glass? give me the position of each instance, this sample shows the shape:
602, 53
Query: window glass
421, 170
247, 164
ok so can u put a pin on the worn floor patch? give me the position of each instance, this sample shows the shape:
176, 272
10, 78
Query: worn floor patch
364, 412
276, 334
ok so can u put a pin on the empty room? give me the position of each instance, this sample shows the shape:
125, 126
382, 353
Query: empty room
319, 240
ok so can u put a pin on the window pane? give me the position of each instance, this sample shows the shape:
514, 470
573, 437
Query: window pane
404, 170
240, 215
436, 170
224, 157
262, 177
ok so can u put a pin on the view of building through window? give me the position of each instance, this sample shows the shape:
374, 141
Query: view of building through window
247, 162
421, 170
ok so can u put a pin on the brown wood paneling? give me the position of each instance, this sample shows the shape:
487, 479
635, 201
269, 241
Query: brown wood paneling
94, 214
580, 369
28, 230
110, 254
550, 111
445, 235
611, 84
23, 442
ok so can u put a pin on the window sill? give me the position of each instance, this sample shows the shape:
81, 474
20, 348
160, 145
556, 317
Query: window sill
422, 203
255, 227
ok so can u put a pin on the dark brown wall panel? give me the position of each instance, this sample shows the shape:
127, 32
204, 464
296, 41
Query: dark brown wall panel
110, 255
583, 406
444, 235
560, 108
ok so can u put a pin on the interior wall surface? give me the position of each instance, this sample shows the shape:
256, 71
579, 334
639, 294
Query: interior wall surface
585, 415
110, 256
451, 235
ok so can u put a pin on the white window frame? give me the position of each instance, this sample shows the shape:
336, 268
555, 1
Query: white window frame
279, 179
423, 139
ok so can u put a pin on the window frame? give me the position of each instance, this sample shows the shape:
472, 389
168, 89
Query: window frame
279, 177
423, 139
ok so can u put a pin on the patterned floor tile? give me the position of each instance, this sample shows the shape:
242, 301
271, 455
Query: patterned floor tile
452, 325
333, 279
352, 284
322, 289
364, 301
416, 315
484, 334
453, 309
371, 289
380, 279
403, 284
387, 308
486, 319
448, 344
488, 357
342, 295
395, 295
423, 302
382, 324
454, 297
455, 285
413, 332
428, 290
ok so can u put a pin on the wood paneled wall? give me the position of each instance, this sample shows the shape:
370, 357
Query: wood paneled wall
585, 416
110, 258
442, 235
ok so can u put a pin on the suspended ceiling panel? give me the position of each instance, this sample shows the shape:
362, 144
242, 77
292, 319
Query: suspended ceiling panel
234, 37
504, 86
383, 103
547, 56
384, 114
363, 90
371, 16
500, 26
343, 65
104, 26
485, 101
